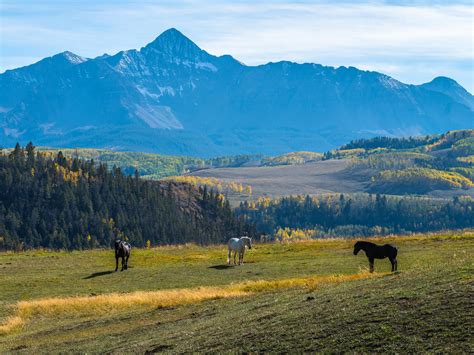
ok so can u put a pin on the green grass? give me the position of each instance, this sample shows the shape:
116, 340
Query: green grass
426, 306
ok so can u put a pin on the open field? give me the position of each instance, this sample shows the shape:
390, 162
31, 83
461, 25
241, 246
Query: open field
303, 296
308, 179
328, 176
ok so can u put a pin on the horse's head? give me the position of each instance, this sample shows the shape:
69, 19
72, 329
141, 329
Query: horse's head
357, 247
249, 242
246, 242
117, 244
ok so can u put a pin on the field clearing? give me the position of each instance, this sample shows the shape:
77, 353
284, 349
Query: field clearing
275, 181
302, 296
314, 178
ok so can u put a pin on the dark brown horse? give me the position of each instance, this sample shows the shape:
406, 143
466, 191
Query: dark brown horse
122, 250
374, 251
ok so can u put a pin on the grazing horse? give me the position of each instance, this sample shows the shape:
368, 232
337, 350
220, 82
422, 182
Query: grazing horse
122, 250
374, 251
238, 245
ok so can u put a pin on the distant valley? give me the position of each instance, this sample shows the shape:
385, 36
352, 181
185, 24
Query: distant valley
439, 166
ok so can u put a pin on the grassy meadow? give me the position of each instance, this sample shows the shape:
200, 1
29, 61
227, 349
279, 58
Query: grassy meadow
303, 296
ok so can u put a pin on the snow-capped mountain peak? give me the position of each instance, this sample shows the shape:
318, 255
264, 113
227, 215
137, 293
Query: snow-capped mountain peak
172, 97
174, 44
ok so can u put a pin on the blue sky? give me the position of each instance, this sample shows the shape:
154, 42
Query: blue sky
413, 41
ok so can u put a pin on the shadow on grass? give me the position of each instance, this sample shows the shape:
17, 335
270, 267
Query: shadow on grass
97, 274
221, 267
158, 349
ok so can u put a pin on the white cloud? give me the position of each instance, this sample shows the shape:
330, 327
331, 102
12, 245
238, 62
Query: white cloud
434, 39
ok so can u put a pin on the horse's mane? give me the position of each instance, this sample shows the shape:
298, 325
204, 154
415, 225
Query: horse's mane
121, 244
362, 242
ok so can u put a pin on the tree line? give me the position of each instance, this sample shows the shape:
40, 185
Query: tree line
390, 142
67, 203
358, 214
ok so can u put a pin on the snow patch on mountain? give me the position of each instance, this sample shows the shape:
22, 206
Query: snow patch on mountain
74, 58
163, 90
206, 66
389, 82
145, 92
157, 116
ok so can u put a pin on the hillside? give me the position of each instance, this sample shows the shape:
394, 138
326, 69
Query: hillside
310, 296
438, 166
172, 97
423, 165
152, 166
68, 203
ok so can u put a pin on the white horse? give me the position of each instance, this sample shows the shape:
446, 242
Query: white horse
238, 245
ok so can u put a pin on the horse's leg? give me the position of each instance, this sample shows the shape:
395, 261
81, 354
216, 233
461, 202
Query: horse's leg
123, 262
396, 264
235, 254
371, 264
242, 257
392, 261
228, 256
126, 263
116, 263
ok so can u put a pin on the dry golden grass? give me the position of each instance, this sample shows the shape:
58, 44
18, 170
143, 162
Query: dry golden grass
116, 302
12, 323
309, 282
119, 302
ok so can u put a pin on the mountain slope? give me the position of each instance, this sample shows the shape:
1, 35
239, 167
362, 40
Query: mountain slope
172, 97
452, 89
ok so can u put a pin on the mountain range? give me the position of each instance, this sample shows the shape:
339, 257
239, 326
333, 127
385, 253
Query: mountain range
172, 97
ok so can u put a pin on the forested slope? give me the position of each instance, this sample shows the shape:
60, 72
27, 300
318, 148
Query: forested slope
152, 166
333, 215
68, 203
414, 165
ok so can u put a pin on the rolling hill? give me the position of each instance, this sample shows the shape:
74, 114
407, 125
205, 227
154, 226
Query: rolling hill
172, 97
438, 166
